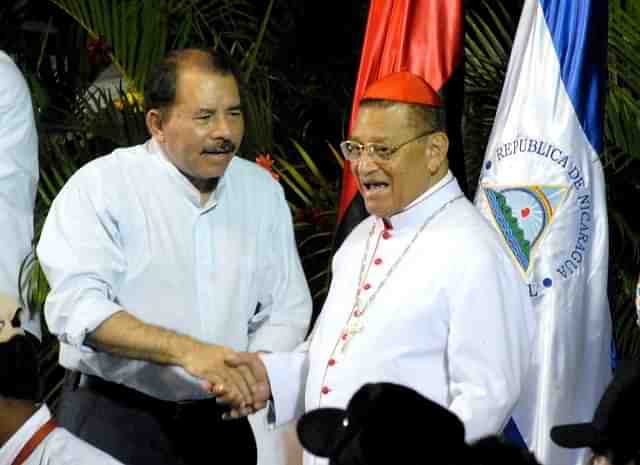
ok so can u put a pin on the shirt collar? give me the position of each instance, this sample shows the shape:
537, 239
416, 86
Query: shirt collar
14, 445
426, 204
180, 181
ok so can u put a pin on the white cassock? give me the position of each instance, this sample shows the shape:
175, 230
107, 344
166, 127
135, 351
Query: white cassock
59, 447
448, 316
18, 179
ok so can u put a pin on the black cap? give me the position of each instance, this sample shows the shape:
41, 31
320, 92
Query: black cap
612, 426
383, 423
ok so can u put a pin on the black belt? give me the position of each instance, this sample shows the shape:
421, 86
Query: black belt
136, 399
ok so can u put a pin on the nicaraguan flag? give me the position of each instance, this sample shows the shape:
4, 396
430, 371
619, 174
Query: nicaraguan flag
542, 187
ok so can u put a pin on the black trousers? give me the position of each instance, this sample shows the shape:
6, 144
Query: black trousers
140, 430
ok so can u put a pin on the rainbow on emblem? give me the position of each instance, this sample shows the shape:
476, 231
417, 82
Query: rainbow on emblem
521, 215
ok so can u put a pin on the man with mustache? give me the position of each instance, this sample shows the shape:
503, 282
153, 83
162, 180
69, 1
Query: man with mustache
162, 259
423, 293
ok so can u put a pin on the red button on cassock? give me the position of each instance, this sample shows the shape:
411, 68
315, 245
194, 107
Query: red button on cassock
332, 362
367, 286
325, 390
386, 235
378, 261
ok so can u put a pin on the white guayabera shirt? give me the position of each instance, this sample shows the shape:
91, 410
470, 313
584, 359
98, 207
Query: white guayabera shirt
453, 320
18, 179
128, 231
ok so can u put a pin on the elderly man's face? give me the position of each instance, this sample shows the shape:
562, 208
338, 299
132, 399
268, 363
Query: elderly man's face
389, 186
8, 309
204, 128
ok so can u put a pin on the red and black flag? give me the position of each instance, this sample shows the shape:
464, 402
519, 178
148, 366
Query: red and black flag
424, 37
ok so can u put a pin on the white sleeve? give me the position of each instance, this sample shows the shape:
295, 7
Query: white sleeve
285, 313
488, 352
288, 379
18, 179
81, 255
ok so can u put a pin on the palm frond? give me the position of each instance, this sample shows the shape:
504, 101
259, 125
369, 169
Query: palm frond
136, 31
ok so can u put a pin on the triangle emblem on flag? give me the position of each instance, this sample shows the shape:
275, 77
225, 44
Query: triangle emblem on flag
522, 215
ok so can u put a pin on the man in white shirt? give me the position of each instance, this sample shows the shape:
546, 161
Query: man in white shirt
162, 259
423, 294
18, 181
28, 433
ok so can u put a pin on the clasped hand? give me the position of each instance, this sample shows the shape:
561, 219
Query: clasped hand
238, 379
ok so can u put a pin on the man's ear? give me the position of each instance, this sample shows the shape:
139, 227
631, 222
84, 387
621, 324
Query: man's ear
437, 150
153, 118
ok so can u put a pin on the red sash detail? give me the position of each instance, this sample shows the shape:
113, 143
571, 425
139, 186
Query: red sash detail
35, 441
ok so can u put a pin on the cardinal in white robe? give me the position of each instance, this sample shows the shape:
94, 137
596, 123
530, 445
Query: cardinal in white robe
423, 294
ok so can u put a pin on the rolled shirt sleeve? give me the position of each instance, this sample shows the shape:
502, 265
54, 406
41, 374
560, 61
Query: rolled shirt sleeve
81, 255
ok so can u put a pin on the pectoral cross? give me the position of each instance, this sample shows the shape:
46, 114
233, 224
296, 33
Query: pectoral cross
354, 327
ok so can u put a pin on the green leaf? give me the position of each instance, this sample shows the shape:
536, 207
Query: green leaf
311, 165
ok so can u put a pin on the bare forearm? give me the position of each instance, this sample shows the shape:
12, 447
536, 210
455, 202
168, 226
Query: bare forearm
125, 335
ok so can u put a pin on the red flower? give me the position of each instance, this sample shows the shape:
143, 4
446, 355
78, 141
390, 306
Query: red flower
266, 162
99, 50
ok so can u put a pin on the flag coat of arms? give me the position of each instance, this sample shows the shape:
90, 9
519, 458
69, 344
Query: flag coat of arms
542, 187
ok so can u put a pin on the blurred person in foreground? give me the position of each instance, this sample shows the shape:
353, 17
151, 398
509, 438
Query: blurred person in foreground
29, 435
385, 423
611, 435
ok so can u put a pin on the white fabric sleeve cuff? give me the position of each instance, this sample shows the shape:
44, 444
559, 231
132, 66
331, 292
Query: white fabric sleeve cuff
89, 313
287, 375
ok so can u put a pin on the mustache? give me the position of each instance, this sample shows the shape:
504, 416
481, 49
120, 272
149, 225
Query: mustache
221, 146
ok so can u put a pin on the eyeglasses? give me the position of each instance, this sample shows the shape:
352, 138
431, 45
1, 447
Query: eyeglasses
352, 150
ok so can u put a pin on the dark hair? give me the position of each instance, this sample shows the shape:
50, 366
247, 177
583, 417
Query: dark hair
19, 368
423, 115
161, 85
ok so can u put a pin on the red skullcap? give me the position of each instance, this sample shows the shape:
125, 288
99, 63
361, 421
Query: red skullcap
404, 87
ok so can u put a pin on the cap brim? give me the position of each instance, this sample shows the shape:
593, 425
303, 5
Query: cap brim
321, 431
576, 435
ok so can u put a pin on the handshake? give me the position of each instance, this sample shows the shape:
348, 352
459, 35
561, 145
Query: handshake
238, 379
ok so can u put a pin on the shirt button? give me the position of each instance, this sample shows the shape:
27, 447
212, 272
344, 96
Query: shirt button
332, 361
378, 261
366, 287
386, 235
325, 390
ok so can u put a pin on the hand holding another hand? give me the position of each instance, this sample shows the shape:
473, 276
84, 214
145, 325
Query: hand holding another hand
229, 384
250, 367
